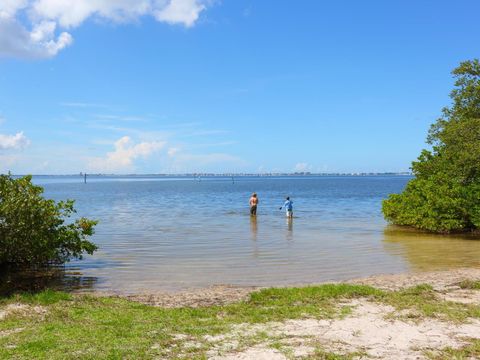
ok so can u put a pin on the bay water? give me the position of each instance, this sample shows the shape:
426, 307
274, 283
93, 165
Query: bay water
163, 233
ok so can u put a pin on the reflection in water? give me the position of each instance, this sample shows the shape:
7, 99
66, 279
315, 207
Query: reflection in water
253, 227
289, 228
253, 234
57, 278
427, 252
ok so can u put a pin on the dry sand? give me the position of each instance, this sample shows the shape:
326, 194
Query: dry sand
367, 330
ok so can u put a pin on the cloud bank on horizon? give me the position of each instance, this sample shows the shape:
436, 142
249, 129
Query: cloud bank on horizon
122, 158
41, 28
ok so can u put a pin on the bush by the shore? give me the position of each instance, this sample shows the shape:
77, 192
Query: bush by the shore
444, 196
35, 231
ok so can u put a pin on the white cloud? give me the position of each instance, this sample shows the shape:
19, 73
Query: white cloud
184, 12
41, 42
71, 14
35, 36
122, 158
15, 142
302, 167
172, 151
9, 8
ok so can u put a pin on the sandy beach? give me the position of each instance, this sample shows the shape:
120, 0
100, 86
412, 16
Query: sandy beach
370, 330
429, 315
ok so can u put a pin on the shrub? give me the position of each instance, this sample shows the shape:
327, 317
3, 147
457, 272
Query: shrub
444, 196
35, 231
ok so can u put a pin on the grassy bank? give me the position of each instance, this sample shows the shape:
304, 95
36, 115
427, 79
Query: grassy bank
56, 325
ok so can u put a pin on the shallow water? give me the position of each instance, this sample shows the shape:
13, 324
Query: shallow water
168, 234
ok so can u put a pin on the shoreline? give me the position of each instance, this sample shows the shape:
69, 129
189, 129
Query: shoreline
431, 315
224, 294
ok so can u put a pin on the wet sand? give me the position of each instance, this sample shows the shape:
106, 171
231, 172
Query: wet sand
441, 281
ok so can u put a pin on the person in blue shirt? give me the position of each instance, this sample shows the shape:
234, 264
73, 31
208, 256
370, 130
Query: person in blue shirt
288, 205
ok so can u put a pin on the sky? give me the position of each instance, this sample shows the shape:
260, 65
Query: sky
181, 86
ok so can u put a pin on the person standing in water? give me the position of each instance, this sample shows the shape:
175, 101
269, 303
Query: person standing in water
253, 204
288, 205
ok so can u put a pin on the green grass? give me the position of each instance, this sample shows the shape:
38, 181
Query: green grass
471, 351
423, 302
87, 327
470, 284
46, 297
325, 355
113, 328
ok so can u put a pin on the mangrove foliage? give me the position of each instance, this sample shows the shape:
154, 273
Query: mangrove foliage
35, 231
444, 196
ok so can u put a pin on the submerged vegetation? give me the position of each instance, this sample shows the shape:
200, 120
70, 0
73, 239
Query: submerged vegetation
35, 231
444, 196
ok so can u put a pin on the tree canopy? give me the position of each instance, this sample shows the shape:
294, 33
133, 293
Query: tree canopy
444, 196
35, 231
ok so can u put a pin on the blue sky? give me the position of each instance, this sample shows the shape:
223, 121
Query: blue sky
173, 86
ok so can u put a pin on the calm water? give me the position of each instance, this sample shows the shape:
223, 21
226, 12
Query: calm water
169, 234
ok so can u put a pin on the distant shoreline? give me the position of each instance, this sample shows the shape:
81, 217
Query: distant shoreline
229, 175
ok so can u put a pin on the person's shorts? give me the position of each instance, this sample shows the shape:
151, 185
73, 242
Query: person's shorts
289, 213
253, 210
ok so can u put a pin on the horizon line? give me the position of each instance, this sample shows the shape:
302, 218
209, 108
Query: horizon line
229, 174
